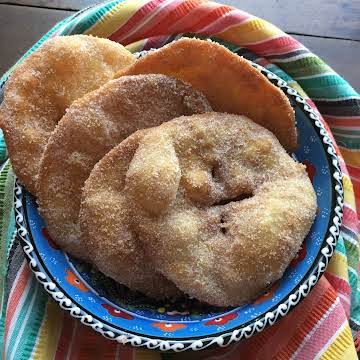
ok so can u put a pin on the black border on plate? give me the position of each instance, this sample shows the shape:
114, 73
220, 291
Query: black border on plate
227, 337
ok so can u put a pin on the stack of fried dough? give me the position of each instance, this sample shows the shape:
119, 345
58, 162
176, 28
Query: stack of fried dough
170, 173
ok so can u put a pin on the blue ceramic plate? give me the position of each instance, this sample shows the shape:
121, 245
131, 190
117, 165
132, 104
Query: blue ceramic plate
120, 314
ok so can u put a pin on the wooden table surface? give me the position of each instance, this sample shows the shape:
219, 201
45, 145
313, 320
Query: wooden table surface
329, 28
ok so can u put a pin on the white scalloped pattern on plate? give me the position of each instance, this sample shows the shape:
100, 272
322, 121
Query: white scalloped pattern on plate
224, 339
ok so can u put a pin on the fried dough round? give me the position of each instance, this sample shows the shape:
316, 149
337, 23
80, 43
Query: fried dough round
218, 204
229, 82
41, 87
91, 127
105, 221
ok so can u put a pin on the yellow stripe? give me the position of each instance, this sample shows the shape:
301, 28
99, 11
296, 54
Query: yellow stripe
252, 31
298, 88
349, 197
338, 266
351, 157
136, 46
49, 333
342, 348
115, 18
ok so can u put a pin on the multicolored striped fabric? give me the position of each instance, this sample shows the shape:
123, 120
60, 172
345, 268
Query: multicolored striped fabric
324, 324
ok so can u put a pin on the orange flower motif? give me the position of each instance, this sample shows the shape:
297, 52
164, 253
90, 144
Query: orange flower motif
222, 320
310, 169
267, 295
300, 256
72, 279
169, 327
117, 313
47, 236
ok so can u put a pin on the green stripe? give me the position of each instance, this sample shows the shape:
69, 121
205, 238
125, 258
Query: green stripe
91, 17
352, 277
3, 150
7, 226
350, 143
7, 231
341, 91
340, 246
329, 87
32, 327
354, 302
323, 81
345, 131
310, 65
353, 259
12, 338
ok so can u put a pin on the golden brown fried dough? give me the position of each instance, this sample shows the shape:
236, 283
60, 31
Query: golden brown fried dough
106, 224
218, 205
229, 82
40, 89
91, 127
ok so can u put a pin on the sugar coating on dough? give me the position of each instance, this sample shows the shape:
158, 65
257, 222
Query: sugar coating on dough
92, 126
230, 208
43, 86
228, 81
106, 225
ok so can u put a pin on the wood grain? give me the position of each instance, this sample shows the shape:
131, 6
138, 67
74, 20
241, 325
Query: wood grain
329, 18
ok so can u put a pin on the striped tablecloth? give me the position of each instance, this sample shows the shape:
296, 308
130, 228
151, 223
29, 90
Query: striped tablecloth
326, 322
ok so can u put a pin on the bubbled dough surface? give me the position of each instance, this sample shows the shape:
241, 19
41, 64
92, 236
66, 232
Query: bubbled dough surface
180, 184
41, 87
91, 127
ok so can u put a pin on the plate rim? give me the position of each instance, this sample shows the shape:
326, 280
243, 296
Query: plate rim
232, 335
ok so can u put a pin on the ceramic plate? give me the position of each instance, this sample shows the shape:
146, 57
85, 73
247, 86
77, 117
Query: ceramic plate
128, 317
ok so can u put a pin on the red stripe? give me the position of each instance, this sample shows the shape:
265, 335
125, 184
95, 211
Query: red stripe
282, 339
312, 104
65, 337
304, 319
86, 344
189, 22
343, 122
357, 341
355, 179
343, 166
231, 19
350, 219
323, 333
354, 171
15, 296
175, 11
126, 352
356, 186
282, 44
155, 42
339, 284
136, 19
263, 62
210, 17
